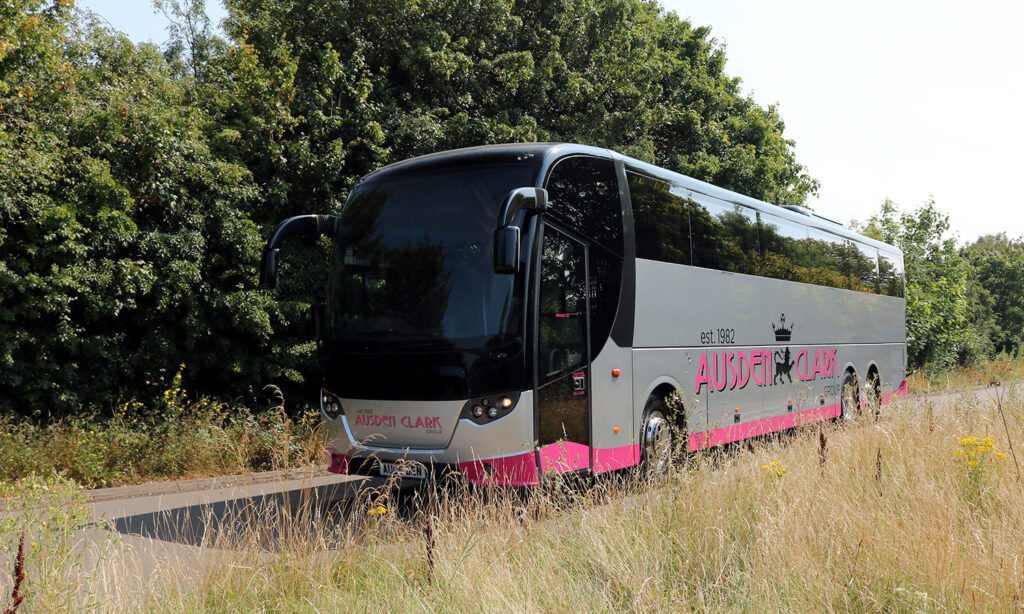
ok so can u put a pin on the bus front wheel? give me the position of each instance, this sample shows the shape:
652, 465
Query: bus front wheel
656, 436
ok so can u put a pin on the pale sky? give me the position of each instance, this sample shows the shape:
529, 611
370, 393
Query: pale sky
895, 99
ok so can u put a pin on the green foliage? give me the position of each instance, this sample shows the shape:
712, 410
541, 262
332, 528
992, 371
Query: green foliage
169, 438
940, 323
998, 265
126, 246
138, 186
49, 511
382, 80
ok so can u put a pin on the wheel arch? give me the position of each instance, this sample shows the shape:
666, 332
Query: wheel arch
663, 386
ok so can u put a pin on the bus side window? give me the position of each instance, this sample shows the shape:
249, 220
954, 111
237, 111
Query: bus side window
660, 221
783, 248
863, 263
825, 259
583, 193
890, 274
724, 236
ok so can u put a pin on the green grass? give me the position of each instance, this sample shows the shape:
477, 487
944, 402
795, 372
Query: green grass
178, 438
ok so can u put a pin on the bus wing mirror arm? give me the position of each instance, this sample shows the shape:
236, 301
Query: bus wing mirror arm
506, 236
310, 226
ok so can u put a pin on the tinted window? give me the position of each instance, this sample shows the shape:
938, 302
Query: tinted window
563, 306
413, 261
783, 248
660, 221
724, 236
826, 256
584, 194
605, 283
890, 274
863, 263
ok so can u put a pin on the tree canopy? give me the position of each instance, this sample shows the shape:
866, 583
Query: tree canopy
139, 183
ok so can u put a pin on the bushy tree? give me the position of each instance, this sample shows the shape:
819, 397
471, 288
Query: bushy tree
359, 84
126, 247
940, 322
140, 184
998, 265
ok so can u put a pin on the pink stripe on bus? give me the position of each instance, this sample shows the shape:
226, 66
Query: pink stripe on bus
515, 470
610, 459
901, 391
564, 456
339, 462
736, 432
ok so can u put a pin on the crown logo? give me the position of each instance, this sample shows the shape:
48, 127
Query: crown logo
781, 332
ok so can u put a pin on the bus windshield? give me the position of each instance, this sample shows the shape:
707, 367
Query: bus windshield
413, 262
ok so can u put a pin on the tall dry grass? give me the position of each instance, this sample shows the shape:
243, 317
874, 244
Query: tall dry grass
1003, 369
178, 438
894, 520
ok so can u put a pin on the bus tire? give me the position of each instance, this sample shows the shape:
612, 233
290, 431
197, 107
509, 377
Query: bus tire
873, 393
656, 436
849, 397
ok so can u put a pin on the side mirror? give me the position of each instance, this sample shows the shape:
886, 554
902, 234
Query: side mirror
531, 199
310, 226
268, 272
506, 236
506, 249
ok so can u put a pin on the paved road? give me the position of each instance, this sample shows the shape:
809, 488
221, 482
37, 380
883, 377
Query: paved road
150, 531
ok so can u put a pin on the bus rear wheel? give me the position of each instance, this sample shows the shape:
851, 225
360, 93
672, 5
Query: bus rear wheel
656, 437
873, 393
849, 399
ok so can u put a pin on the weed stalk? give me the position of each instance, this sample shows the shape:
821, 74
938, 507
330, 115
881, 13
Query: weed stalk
17, 596
822, 443
878, 466
1009, 440
428, 531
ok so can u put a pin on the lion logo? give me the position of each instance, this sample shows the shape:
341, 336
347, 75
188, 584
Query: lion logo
783, 366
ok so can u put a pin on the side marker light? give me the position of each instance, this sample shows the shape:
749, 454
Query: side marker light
616, 372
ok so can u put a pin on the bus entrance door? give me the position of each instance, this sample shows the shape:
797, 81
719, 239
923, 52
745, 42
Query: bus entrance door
563, 367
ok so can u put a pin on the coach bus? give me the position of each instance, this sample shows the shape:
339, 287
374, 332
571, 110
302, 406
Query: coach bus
512, 311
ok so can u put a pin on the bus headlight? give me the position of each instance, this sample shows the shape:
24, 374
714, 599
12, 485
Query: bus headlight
483, 410
330, 405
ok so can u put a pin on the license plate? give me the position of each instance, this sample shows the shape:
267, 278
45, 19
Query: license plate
403, 470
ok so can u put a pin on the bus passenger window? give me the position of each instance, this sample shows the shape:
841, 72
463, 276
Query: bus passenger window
890, 274
863, 262
584, 195
825, 259
660, 221
783, 248
723, 236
